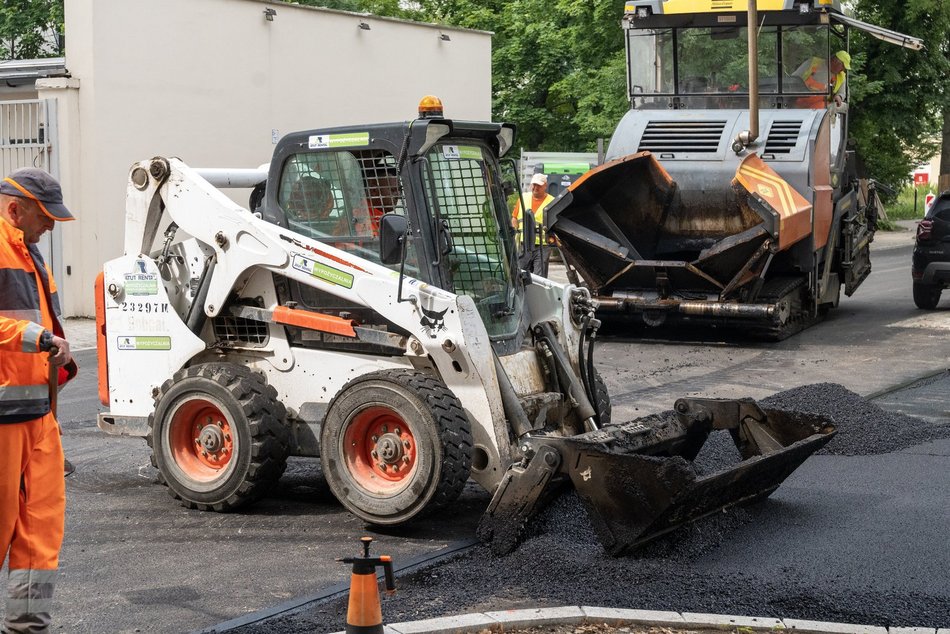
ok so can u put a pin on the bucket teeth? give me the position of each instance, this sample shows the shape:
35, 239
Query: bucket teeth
523, 491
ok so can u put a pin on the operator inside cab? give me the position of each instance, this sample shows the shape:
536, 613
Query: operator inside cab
818, 74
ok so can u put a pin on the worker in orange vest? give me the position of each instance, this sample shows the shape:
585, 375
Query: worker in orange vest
815, 73
534, 259
32, 489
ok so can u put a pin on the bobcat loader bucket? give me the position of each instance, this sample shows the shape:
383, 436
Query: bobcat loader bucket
638, 480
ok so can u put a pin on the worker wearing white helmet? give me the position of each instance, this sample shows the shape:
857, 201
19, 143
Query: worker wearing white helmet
537, 199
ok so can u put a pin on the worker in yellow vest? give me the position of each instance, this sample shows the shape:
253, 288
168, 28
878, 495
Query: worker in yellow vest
534, 259
819, 74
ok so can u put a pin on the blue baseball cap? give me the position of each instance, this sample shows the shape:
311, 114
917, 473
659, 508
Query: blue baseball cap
41, 188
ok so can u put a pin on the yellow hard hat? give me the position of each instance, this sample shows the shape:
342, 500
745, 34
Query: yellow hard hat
845, 58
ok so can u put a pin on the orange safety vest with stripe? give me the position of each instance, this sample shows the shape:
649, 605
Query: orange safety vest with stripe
526, 201
29, 305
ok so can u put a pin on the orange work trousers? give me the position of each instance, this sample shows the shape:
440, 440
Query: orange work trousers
32, 518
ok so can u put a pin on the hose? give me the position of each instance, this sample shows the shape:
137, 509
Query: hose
571, 386
549, 363
591, 376
196, 318
580, 358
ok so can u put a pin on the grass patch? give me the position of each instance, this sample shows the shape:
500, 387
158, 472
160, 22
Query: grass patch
903, 207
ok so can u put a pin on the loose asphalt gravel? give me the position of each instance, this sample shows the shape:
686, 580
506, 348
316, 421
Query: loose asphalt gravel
561, 563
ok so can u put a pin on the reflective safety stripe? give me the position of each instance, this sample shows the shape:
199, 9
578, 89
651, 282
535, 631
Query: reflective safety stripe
29, 599
23, 392
24, 314
31, 337
19, 403
29, 592
25, 577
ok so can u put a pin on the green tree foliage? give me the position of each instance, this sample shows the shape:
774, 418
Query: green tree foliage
558, 71
557, 66
899, 96
27, 28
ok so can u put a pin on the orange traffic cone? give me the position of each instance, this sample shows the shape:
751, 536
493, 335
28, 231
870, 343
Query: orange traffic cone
364, 615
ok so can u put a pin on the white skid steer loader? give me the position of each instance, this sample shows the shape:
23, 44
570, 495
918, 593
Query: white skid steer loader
368, 309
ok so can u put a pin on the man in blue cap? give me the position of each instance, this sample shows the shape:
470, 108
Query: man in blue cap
34, 361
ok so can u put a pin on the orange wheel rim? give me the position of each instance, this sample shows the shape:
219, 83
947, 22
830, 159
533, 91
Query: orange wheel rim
379, 450
201, 440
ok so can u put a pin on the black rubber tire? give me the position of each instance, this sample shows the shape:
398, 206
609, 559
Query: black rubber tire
602, 397
256, 435
441, 446
926, 296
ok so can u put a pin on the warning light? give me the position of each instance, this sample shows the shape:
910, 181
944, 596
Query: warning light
430, 107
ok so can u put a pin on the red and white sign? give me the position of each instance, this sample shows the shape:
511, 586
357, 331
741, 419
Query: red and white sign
921, 178
928, 200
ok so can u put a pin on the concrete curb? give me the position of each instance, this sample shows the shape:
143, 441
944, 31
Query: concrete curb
508, 620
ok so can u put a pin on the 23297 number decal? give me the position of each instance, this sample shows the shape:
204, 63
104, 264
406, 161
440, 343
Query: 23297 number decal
156, 308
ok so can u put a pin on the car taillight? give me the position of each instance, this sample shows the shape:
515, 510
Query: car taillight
924, 228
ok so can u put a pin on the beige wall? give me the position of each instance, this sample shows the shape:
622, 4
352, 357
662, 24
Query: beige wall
209, 80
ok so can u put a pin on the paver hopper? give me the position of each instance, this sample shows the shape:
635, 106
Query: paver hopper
642, 244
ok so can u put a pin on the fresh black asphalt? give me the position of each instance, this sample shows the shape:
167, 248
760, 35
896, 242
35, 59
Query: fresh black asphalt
837, 542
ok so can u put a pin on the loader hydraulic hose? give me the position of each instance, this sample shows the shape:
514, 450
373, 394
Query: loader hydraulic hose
196, 313
591, 377
585, 377
551, 367
572, 387
586, 361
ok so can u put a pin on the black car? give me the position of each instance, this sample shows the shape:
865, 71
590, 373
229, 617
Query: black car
931, 264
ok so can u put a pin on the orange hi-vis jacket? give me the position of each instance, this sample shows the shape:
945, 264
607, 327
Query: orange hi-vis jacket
28, 306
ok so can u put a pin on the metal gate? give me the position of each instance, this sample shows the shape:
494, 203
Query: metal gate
25, 139
28, 135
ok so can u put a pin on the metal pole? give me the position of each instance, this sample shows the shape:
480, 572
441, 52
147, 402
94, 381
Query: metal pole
753, 71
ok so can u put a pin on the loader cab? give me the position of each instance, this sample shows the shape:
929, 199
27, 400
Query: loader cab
442, 175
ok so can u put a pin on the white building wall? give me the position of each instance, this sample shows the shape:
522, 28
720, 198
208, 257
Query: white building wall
210, 80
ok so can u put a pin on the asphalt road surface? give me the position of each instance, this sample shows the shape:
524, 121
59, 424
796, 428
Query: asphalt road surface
136, 561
